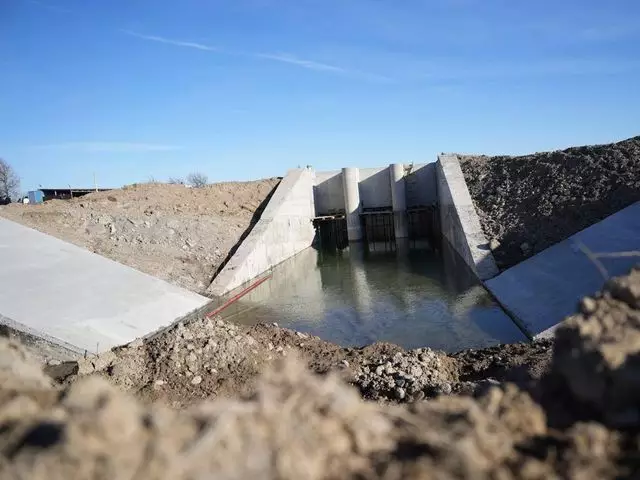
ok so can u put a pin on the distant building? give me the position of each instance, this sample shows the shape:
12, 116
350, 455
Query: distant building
44, 194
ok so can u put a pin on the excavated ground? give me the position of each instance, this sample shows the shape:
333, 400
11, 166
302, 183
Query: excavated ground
529, 203
579, 417
179, 234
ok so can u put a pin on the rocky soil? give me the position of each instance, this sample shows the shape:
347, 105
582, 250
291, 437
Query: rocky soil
202, 358
529, 203
577, 418
175, 233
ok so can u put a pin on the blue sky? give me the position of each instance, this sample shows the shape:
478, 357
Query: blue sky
244, 89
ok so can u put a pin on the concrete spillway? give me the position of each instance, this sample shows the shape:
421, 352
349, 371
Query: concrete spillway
85, 302
77, 299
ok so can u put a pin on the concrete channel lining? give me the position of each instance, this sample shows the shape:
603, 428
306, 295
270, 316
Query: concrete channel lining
284, 229
459, 220
81, 301
543, 290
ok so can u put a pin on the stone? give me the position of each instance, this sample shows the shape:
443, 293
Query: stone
191, 358
494, 244
159, 382
525, 248
379, 370
588, 305
400, 393
345, 363
445, 389
197, 380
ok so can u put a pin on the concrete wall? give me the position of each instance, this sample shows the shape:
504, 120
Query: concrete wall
459, 221
74, 298
375, 187
284, 229
421, 185
328, 193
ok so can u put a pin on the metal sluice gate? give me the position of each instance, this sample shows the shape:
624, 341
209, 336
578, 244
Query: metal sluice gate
378, 229
331, 232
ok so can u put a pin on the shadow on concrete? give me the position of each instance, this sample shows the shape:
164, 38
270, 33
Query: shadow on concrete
254, 220
328, 196
375, 190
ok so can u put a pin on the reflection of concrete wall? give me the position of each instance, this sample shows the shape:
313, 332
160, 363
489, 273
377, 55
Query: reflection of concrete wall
421, 185
328, 193
284, 229
297, 276
459, 221
375, 187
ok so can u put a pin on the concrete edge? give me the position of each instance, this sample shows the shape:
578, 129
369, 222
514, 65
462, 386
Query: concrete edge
459, 220
24, 329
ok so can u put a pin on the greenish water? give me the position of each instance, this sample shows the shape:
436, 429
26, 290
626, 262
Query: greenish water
355, 298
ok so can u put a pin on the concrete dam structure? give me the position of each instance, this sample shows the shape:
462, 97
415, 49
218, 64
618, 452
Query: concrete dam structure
375, 205
430, 203
87, 303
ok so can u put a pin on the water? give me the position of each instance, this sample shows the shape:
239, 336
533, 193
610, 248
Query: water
355, 298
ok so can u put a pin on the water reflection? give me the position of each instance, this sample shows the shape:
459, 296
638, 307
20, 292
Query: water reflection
354, 298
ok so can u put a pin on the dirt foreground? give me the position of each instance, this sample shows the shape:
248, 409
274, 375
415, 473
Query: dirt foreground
578, 418
179, 234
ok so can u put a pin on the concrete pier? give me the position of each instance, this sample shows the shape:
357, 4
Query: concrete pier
350, 181
398, 200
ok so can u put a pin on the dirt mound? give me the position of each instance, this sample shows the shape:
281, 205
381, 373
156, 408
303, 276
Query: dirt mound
529, 203
298, 425
172, 232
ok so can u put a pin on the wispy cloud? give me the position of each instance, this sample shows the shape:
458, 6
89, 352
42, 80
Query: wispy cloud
292, 60
108, 147
177, 43
285, 58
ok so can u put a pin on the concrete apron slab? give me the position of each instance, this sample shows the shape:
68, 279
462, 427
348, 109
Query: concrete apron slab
82, 301
543, 290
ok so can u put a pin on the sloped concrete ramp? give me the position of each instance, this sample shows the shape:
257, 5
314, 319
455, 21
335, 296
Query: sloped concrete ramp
544, 289
77, 299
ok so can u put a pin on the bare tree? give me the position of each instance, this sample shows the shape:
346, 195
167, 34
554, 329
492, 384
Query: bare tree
176, 181
9, 181
197, 180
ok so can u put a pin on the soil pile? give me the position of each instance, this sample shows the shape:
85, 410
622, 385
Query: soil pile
529, 203
179, 234
581, 419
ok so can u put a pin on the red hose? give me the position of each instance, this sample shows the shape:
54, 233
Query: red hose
238, 296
